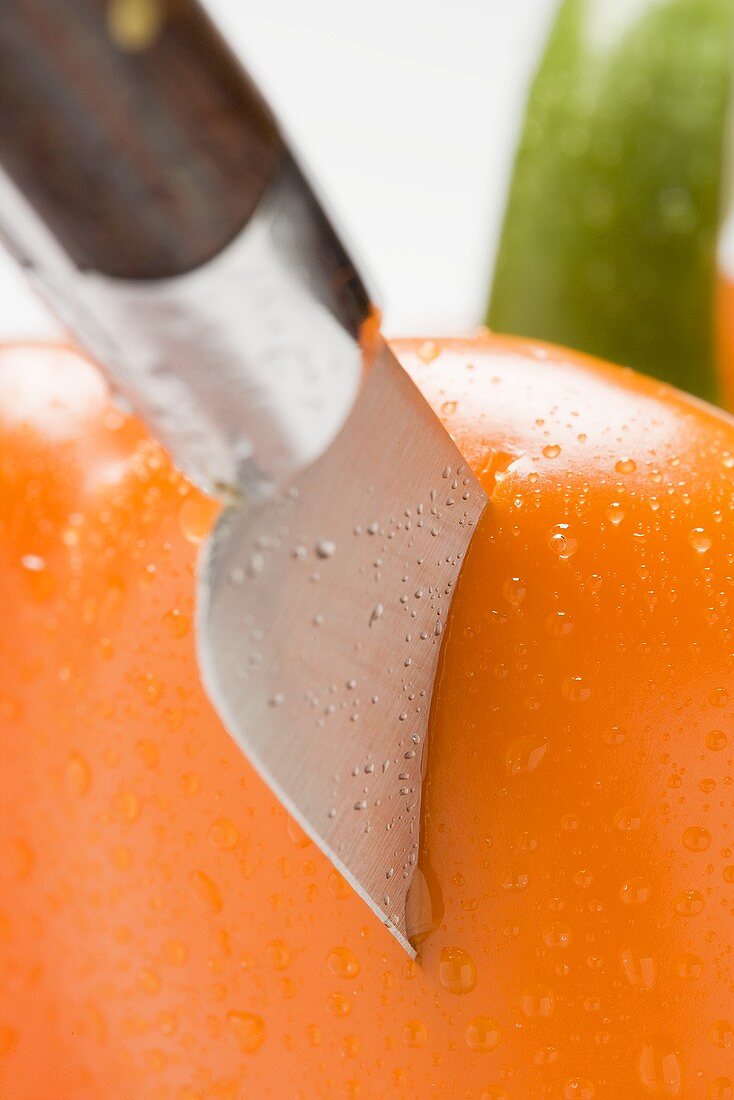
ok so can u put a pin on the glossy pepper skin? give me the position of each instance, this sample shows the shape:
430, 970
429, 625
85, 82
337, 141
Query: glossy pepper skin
609, 236
165, 931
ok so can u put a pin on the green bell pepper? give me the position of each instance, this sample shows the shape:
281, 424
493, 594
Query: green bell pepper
609, 238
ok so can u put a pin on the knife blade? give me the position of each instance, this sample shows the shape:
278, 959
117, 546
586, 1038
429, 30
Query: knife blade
151, 197
321, 613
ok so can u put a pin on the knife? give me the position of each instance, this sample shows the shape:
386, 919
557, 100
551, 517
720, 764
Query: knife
153, 200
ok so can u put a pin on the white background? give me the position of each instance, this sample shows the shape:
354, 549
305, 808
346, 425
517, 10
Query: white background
406, 112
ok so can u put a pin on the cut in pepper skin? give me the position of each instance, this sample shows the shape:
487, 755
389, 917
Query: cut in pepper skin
167, 932
609, 237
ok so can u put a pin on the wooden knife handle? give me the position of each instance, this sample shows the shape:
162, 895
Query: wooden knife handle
133, 131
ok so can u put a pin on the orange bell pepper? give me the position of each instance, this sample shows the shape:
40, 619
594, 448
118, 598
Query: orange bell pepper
167, 932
